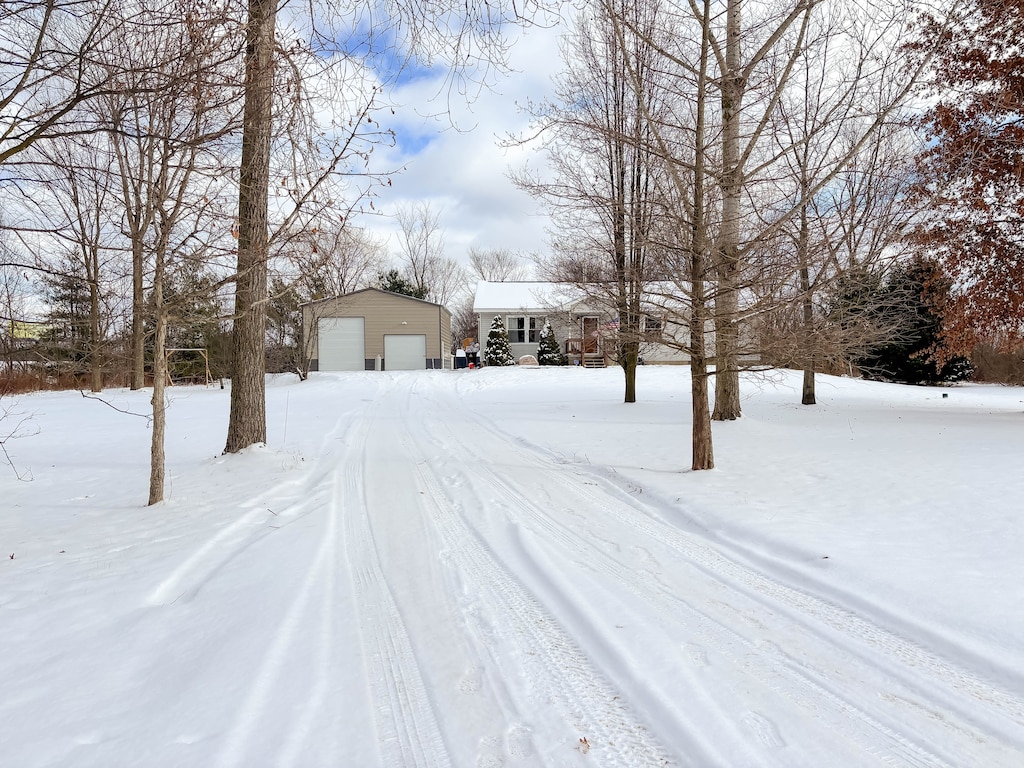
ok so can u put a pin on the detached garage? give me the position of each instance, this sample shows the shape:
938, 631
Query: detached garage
371, 328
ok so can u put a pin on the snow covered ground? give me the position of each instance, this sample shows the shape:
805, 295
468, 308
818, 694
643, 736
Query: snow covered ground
511, 567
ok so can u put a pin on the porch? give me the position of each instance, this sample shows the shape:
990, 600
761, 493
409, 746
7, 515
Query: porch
588, 352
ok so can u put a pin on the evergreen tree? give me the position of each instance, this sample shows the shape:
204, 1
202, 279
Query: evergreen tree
394, 282
498, 351
193, 323
548, 351
68, 319
66, 339
915, 296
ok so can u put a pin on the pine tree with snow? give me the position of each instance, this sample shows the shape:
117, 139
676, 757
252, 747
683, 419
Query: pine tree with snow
548, 352
498, 351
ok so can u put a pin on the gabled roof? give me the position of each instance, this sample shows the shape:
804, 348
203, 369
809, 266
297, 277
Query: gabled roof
375, 290
525, 297
540, 297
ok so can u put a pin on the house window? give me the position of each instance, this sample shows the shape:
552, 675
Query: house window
522, 329
652, 325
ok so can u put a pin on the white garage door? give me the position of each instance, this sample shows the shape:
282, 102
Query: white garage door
341, 344
405, 352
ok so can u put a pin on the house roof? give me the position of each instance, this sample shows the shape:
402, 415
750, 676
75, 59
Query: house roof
524, 296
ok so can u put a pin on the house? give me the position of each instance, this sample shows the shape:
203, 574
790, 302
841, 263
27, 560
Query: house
376, 330
584, 324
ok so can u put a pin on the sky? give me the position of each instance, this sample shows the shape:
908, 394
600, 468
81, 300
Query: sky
462, 171
512, 568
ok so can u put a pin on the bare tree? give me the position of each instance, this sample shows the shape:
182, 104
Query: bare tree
248, 422
14, 311
465, 322
856, 226
497, 265
421, 254
724, 160
467, 37
43, 46
168, 135
598, 144
332, 259
76, 208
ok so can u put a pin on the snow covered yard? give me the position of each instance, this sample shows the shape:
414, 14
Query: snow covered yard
510, 567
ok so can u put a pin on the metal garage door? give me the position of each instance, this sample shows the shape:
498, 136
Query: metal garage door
405, 352
341, 342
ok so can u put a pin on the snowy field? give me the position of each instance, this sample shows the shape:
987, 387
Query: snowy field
511, 567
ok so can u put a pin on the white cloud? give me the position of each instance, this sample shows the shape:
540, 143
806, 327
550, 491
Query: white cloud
462, 171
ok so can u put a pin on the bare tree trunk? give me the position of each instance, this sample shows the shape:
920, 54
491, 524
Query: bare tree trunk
702, 442
803, 248
727, 376
156, 450
807, 397
138, 351
701, 437
95, 345
248, 419
703, 445
629, 353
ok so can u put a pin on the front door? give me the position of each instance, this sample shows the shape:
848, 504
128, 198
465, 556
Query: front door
590, 335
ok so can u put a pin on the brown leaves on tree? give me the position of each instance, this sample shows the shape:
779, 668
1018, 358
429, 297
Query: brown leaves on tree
972, 171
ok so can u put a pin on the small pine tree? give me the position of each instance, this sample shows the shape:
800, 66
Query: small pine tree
393, 282
916, 294
498, 351
548, 351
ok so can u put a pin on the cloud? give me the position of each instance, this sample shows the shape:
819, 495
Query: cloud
453, 159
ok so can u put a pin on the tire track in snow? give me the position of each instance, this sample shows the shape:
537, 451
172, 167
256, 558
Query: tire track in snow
775, 668
845, 621
557, 669
763, 661
202, 565
560, 670
406, 726
322, 497
319, 575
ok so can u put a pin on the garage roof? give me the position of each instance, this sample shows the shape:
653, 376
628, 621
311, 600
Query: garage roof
375, 290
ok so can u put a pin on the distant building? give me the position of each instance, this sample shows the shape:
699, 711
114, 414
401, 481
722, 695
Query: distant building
373, 329
586, 327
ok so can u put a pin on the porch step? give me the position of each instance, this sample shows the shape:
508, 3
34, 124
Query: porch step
594, 362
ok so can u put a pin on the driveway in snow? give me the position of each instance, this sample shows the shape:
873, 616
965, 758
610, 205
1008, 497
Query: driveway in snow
423, 584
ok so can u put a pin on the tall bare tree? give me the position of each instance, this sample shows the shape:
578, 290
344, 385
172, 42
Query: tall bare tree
602, 193
77, 208
497, 265
248, 421
469, 38
421, 254
724, 77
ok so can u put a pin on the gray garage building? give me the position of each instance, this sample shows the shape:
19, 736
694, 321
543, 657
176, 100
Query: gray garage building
367, 329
